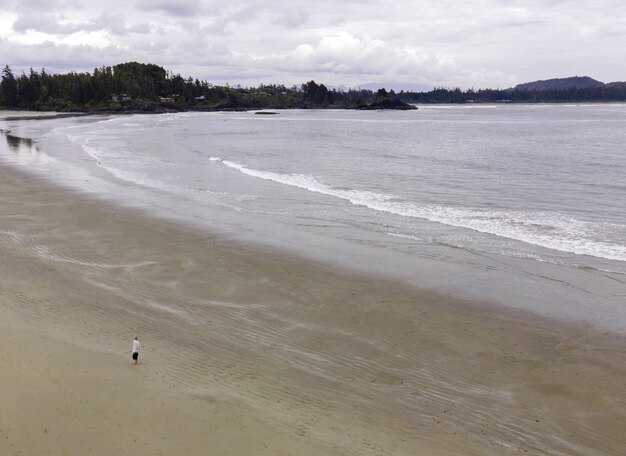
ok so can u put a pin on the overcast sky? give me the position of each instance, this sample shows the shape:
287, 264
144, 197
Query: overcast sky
469, 43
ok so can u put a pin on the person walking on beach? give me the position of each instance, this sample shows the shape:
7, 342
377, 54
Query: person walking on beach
136, 350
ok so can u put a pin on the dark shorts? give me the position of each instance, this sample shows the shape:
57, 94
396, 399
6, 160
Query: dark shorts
135, 356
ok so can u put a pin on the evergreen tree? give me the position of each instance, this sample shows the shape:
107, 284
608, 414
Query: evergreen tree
8, 87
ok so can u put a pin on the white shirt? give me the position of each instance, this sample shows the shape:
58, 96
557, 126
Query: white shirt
136, 346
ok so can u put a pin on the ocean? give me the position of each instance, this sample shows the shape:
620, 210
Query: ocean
514, 205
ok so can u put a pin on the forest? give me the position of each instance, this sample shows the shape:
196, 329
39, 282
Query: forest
606, 93
148, 87
137, 86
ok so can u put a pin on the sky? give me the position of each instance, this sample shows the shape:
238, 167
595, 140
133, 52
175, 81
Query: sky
341, 43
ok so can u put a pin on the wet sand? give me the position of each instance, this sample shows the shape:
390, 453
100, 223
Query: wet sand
249, 351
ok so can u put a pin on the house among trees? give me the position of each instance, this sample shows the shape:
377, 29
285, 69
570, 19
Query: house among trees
121, 98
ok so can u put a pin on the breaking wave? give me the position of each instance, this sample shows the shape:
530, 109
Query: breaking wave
545, 229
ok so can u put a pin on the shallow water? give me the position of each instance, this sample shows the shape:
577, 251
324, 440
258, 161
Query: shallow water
517, 204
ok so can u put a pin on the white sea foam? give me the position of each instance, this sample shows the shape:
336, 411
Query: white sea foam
93, 153
546, 229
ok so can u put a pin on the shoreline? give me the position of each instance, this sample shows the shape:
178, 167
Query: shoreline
549, 283
312, 358
45, 114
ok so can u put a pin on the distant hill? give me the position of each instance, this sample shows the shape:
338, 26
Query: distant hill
616, 85
574, 82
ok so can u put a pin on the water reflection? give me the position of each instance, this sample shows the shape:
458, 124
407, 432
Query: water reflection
18, 144
23, 148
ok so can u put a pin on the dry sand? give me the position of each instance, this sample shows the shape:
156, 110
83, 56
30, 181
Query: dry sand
248, 352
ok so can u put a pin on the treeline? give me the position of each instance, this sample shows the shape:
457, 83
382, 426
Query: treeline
140, 85
149, 87
613, 92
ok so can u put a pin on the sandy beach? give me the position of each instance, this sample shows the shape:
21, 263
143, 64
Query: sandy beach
263, 353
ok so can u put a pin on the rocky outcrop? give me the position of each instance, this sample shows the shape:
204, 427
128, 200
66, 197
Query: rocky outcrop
388, 103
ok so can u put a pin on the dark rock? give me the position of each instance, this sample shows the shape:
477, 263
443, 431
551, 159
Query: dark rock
387, 103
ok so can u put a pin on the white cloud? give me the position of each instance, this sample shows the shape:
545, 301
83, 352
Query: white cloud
344, 57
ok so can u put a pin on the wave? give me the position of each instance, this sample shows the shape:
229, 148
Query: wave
545, 229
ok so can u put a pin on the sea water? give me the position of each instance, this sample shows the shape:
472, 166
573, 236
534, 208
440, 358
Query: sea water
523, 205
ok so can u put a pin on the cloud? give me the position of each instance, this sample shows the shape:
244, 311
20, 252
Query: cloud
59, 57
47, 23
40, 6
116, 24
292, 18
176, 8
365, 58
445, 42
